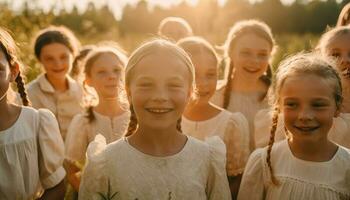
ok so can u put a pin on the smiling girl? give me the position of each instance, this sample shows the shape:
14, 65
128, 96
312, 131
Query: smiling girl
55, 48
156, 160
307, 165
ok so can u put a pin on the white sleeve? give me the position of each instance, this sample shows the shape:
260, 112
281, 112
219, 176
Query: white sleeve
77, 139
217, 185
252, 185
51, 150
237, 141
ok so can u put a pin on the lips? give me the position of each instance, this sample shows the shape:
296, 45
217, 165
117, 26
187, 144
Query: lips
251, 70
159, 110
306, 128
59, 70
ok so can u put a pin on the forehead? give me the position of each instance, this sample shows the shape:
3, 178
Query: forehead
307, 87
107, 59
205, 61
161, 65
340, 42
253, 41
54, 48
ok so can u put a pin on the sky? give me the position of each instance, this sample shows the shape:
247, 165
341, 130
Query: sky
115, 5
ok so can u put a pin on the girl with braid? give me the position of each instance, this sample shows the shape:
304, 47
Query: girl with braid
55, 47
202, 119
31, 147
155, 160
307, 165
248, 47
104, 73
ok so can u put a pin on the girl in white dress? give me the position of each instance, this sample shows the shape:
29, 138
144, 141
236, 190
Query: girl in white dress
31, 147
156, 160
55, 48
248, 47
104, 72
202, 119
307, 165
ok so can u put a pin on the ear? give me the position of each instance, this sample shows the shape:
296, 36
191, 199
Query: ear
14, 72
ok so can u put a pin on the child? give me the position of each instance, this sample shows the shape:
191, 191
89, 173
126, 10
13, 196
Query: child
249, 46
174, 28
307, 165
344, 18
55, 48
155, 160
31, 148
104, 71
202, 119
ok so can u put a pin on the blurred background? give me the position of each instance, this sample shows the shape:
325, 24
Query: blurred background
296, 24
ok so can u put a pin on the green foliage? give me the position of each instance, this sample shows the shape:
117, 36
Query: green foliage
296, 27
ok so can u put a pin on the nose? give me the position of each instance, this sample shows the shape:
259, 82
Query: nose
201, 82
160, 94
305, 114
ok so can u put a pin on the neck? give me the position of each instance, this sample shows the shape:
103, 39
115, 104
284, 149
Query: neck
318, 150
158, 142
109, 107
5, 108
59, 84
198, 111
246, 84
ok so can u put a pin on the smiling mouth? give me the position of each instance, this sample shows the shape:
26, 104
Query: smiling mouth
306, 128
252, 70
159, 110
58, 70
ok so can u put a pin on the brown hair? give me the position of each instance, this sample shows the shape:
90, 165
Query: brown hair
344, 18
328, 37
89, 62
180, 24
236, 32
9, 48
77, 65
56, 34
154, 46
298, 65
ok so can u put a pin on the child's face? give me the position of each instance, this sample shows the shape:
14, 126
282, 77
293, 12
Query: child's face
250, 56
206, 75
56, 59
106, 75
308, 106
340, 49
159, 89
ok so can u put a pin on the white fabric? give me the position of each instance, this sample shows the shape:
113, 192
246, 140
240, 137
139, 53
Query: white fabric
232, 128
31, 155
298, 179
247, 103
81, 132
64, 105
196, 172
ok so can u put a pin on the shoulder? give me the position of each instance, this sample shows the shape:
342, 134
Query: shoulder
344, 155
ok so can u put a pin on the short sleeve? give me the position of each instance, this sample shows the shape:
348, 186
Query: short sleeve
51, 150
237, 142
217, 186
340, 131
94, 181
77, 139
252, 185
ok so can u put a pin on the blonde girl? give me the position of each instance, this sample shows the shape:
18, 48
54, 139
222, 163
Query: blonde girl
307, 165
31, 148
174, 28
55, 48
202, 119
248, 47
156, 160
104, 72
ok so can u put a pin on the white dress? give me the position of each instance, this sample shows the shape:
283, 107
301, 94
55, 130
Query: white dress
31, 155
298, 179
339, 132
232, 128
247, 103
196, 172
81, 132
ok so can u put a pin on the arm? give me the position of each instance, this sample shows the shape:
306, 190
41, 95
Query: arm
55, 193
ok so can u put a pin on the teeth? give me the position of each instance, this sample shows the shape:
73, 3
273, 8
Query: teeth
159, 110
